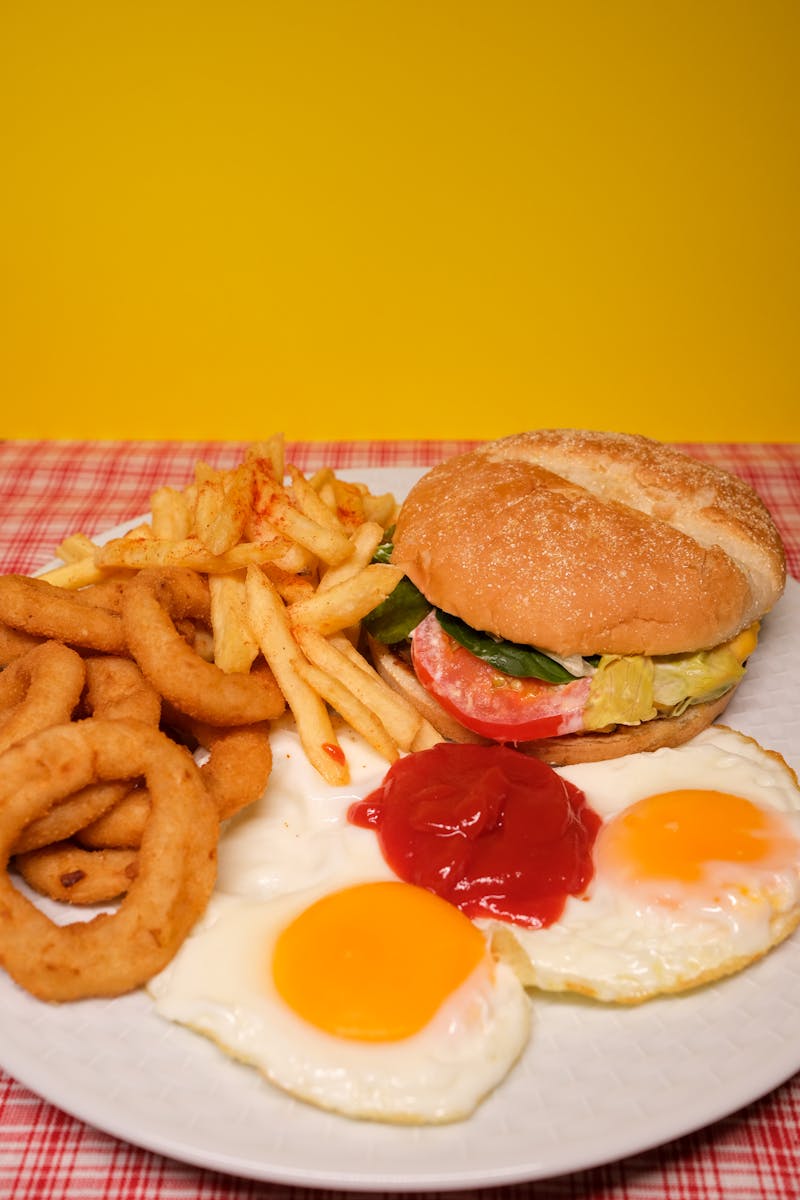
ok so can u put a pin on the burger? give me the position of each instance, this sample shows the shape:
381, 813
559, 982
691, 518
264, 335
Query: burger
578, 594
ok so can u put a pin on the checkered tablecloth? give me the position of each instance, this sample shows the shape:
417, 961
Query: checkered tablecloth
48, 489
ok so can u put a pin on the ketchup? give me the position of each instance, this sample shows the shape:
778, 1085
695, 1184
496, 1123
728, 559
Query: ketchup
496, 833
335, 752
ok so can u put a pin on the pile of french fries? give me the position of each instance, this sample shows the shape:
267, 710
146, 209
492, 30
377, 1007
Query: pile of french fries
289, 566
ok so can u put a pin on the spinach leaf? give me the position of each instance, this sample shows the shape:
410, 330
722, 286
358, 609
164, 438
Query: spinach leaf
513, 659
402, 610
395, 617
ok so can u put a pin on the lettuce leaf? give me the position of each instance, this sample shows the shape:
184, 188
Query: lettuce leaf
621, 692
634, 688
684, 679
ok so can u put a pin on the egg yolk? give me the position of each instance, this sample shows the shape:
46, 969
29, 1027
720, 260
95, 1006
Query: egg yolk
374, 962
674, 835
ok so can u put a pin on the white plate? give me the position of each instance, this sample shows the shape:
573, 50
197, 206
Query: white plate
595, 1084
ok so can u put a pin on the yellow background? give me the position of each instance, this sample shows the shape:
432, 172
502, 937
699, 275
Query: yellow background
416, 218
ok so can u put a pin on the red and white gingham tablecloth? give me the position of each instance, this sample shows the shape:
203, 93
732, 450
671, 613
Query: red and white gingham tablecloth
49, 489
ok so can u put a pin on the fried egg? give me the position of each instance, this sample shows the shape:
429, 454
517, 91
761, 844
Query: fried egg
696, 873
375, 1000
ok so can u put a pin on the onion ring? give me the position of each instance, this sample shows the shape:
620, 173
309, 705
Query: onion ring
116, 690
114, 952
41, 608
107, 594
69, 815
14, 643
42, 687
153, 600
238, 766
235, 775
119, 827
72, 875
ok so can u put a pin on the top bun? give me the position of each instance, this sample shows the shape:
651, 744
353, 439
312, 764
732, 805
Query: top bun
581, 542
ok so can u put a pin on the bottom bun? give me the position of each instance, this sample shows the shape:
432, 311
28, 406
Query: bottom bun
629, 739
558, 751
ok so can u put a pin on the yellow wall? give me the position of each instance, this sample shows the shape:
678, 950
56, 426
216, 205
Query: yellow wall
399, 218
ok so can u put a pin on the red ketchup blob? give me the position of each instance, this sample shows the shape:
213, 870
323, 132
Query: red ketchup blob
496, 833
335, 752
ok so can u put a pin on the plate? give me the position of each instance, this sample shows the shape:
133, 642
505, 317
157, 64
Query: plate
595, 1084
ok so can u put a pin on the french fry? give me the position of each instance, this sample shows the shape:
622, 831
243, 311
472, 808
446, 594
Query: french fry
321, 479
340, 660
347, 602
365, 542
143, 532
290, 585
349, 504
382, 509
269, 622
222, 508
205, 473
273, 451
265, 483
427, 737
76, 547
209, 500
171, 512
258, 527
308, 502
138, 553
327, 493
348, 706
330, 545
76, 574
296, 560
235, 646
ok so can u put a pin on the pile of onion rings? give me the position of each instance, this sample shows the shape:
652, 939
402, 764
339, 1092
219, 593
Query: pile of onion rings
135, 709
113, 952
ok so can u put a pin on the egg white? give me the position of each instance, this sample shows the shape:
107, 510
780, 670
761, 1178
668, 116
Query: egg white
297, 835
220, 985
619, 943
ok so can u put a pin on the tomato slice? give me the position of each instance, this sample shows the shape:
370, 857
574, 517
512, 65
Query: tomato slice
489, 702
